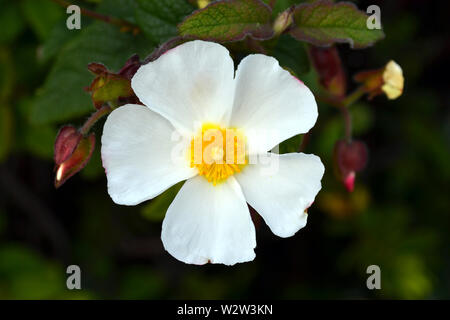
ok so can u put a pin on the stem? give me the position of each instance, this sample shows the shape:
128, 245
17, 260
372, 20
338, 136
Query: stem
343, 105
101, 17
347, 123
94, 118
353, 97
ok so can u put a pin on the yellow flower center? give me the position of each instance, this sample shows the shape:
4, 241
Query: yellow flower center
218, 152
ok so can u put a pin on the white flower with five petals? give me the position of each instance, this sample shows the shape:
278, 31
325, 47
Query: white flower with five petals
188, 89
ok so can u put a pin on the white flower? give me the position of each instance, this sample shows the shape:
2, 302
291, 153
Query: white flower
188, 89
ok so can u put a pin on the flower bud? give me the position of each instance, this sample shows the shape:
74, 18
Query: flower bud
76, 161
350, 157
283, 21
113, 87
328, 65
202, 3
66, 141
388, 80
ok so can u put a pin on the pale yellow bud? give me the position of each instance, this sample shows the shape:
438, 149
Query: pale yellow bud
393, 80
202, 3
283, 21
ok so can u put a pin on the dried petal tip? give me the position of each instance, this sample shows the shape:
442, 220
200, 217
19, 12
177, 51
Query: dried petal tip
349, 157
388, 80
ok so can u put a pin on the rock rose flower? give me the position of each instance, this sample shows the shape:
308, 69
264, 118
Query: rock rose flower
192, 90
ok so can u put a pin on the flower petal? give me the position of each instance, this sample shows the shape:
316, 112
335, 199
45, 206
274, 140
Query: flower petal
190, 84
137, 153
209, 223
283, 189
270, 104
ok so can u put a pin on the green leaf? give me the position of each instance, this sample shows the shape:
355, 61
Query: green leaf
42, 16
11, 21
6, 131
229, 20
281, 5
123, 9
58, 38
158, 19
63, 97
292, 55
7, 74
141, 282
323, 23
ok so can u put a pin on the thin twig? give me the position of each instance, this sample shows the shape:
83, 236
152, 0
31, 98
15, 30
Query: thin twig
347, 122
94, 118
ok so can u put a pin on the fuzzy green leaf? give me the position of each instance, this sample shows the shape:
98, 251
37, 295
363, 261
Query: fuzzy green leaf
158, 19
292, 55
63, 97
229, 20
323, 23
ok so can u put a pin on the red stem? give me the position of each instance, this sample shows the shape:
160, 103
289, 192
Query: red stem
94, 118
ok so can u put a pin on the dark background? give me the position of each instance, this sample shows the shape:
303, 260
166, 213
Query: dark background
397, 217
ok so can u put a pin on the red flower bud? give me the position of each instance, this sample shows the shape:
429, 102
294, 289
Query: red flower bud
350, 157
66, 141
328, 65
76, 161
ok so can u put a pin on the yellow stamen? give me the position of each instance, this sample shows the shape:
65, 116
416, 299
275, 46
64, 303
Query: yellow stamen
218, 152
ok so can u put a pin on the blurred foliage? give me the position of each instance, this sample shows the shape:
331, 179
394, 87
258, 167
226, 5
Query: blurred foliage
397, 218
